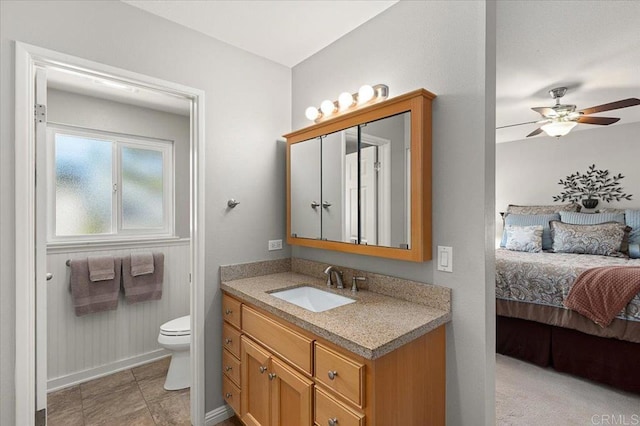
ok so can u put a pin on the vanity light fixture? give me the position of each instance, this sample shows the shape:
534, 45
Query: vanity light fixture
348, 101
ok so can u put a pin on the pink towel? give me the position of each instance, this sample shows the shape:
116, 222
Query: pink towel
91, 297
143, 287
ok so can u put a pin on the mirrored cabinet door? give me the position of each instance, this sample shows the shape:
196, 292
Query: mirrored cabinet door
305, 193
385, 182
339, 186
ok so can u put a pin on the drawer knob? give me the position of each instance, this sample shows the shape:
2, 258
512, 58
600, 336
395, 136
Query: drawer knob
262, 369
228, 368
227, 341
332, 374
272, 376
228, 395
333, 422
228, 312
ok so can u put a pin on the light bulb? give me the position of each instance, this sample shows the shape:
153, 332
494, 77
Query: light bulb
345, 100
365, 94
559, 128
327, 107
312, 113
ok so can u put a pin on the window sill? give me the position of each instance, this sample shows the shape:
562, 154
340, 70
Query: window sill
80, 246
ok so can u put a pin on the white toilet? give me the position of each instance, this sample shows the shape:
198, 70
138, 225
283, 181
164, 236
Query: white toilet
175, 336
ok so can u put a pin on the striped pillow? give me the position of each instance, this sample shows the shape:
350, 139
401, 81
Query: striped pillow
575, 218
531, 220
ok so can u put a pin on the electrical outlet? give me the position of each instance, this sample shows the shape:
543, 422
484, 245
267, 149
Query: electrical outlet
445, 259
275, 245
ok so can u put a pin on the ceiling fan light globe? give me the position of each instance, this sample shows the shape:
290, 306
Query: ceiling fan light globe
559, 128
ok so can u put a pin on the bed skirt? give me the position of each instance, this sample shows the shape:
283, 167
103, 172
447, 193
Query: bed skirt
610, 361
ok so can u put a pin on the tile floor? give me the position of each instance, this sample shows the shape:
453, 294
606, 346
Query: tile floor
134, 397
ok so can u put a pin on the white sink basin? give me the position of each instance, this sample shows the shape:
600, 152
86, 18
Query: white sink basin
312, 299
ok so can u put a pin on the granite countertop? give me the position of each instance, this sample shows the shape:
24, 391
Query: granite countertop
372, 327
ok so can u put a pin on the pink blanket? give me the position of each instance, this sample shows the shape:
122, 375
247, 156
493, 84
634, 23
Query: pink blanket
601, 293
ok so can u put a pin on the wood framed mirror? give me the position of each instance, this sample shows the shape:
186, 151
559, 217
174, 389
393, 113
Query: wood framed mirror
360, 182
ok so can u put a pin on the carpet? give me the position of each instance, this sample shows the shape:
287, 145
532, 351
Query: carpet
530, 395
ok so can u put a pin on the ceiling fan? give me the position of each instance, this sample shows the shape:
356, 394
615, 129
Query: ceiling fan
559, 119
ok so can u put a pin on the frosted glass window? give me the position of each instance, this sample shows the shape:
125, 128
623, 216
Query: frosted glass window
142, 188
104, 185
83, 176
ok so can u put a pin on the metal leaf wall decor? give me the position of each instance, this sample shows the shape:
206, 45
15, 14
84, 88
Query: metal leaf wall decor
593, 184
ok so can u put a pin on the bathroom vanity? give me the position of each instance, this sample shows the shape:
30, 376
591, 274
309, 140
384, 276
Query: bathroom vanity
377, 361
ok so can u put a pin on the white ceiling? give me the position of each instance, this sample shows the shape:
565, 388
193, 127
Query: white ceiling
591, 47
285, 31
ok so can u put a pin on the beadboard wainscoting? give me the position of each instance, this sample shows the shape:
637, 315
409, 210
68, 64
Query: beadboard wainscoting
83, 348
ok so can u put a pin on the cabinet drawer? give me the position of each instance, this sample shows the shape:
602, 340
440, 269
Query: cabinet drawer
231, 339
292, 346
231, 310
231, 367
340, 374
328, 409
231, 394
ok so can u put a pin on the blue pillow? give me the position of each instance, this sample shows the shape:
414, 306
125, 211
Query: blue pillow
575, 218
632, 218
532, 220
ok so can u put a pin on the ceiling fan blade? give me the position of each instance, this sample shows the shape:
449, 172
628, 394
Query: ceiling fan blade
545, 111
519, 124
624, 103
603, 121
535, 132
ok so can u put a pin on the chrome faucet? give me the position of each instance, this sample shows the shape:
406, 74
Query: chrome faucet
338, 274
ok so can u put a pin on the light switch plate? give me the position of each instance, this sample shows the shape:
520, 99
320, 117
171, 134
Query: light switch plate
445, 259
275, 245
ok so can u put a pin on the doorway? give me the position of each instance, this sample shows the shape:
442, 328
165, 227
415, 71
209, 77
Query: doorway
31, 84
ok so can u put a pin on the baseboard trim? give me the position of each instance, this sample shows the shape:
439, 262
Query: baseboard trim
218, 415
104, 370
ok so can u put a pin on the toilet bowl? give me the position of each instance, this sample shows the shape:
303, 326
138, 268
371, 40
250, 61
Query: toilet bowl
175, 336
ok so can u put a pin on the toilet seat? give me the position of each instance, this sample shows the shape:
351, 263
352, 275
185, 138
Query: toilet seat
177, 327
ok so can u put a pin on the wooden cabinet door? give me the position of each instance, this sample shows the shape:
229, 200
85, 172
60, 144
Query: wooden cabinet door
255, 369
291, 396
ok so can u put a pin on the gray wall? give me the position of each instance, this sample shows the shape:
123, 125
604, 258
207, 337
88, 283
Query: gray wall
101, 114
247, 108
449, 49
528, 171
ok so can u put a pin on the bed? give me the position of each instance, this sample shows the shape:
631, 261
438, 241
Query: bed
532, 324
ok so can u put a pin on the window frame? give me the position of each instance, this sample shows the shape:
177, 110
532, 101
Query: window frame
118, 141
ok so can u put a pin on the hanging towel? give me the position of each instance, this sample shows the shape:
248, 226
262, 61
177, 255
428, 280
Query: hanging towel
143, 287
101, 268
91, 297
141, 263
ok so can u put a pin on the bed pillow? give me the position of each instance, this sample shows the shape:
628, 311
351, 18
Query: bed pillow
632, 219
531, 220
591, 218
514, 209
524, 238
603, 239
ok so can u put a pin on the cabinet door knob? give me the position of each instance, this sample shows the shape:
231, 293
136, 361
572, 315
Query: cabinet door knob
326, 204
228, 368
228, 311
227, 341
262, 369
314, 204
332, 374
228, 395
333, 422
272, 376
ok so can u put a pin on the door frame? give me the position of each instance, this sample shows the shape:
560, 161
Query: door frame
27, 57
